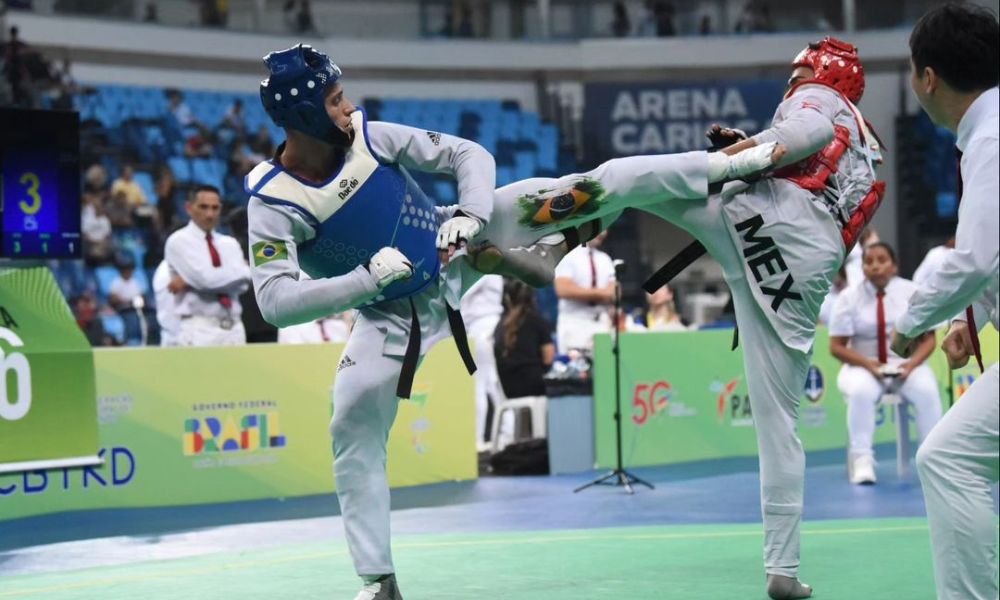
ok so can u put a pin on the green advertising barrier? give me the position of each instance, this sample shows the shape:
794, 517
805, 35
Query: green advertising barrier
48, 415
684, 398
205, 425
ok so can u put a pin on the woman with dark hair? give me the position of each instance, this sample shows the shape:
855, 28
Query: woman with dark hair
522, 343
859, 337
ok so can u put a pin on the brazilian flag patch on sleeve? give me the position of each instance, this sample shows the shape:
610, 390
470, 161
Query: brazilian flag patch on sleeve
265, 252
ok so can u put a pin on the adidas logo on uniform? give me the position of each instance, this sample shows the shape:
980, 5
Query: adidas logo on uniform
344, 363
435, 137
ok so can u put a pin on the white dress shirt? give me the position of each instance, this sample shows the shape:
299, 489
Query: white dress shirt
931, 264
328, 330
125, 289
166, 314
855, 315
577, 266
188, 255
483, 301
970, 274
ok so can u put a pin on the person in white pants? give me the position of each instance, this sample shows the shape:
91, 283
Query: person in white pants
859, 338
954, 53
482, 306
585, 285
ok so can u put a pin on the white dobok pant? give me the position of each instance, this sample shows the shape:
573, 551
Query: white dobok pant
208, 331
862, 391
958, 462
480, 332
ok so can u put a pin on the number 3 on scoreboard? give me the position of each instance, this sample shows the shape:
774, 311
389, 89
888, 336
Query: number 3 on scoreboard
30, 181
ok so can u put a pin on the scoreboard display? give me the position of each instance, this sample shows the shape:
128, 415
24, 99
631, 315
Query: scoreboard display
39, 184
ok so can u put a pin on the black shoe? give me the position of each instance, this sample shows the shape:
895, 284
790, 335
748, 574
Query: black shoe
383, 589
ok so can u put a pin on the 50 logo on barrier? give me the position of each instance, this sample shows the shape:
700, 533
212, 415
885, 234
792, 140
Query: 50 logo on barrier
14, 363
649, 399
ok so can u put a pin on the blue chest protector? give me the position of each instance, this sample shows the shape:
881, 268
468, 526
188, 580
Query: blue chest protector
368, 205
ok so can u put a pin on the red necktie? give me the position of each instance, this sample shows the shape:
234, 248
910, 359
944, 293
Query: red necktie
224, 300
593, 269
970, 317
322, 331
883, 347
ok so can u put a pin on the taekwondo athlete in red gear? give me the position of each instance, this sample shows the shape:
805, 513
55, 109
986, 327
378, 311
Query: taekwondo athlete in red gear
780, 240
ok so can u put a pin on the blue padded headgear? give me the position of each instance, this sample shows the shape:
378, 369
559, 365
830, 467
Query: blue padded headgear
293, 93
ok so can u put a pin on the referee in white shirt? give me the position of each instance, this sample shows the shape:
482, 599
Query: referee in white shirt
208, 273
585, 285
859, 337
954, 54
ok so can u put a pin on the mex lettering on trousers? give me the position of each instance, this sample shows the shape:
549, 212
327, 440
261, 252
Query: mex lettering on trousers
766, 262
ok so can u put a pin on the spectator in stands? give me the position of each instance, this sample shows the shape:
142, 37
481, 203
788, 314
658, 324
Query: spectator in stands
755, 18
261, 144
585, 285
180, 111
705, 28
126, 186
85, 309
214, 13
95, 181
242, 160
665, 12
647, 23
119, 211
65, 88
235, 119
208, 273
152, 13
620, 25
462, 26
199, 145
522, 345
16, 69
125, 287
932, 261
298, 16
166, 190
96, 230
859, 338
662, 313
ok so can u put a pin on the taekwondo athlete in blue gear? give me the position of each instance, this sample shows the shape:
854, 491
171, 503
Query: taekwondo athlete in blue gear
336, 202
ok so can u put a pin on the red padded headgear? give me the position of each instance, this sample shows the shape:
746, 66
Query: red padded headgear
836, 64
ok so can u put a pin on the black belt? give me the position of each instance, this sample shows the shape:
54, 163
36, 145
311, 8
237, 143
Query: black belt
412, 356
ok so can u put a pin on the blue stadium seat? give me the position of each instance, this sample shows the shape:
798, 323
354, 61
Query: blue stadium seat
114, 326
105, 275
145, 182
181, 167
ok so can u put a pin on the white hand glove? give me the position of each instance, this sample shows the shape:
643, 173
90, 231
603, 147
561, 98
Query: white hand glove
388, 265
456, 230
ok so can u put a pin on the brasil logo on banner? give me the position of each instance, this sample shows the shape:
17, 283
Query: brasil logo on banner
48, 406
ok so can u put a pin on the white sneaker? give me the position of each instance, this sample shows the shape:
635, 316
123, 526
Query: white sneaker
384, 589
863, 470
